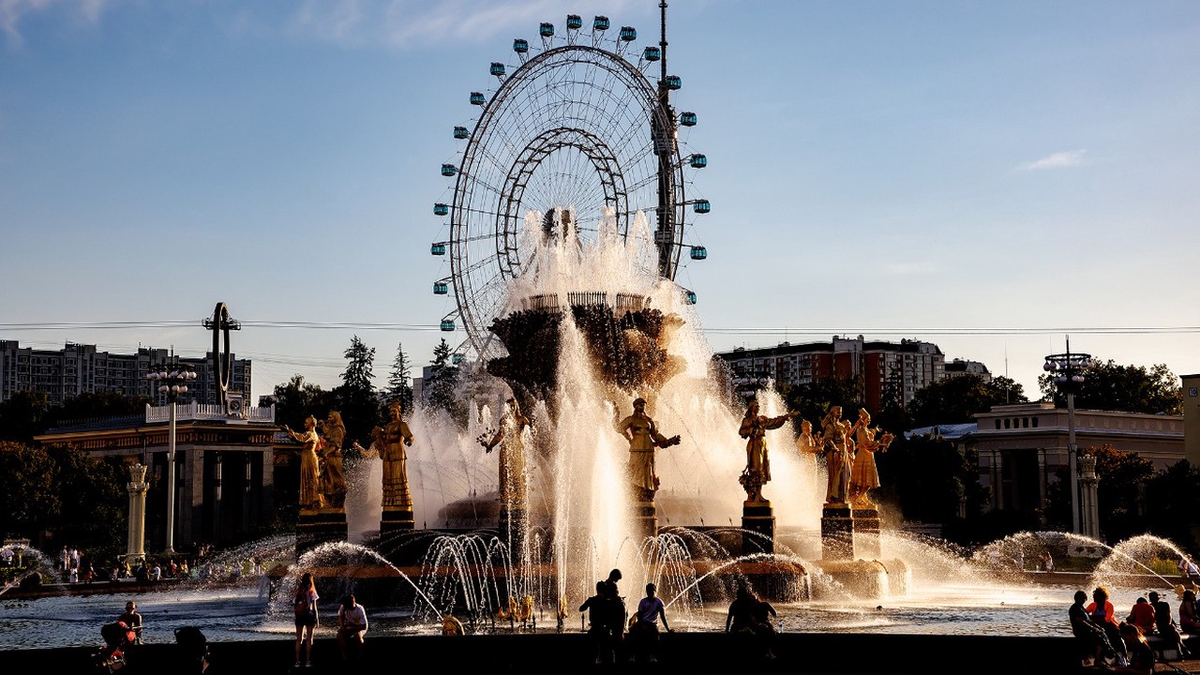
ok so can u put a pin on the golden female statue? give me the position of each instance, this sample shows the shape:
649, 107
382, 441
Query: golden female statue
837, 457
754, 428
391, 441
333, 479
310, 496
865, 476
643, 436
512, 454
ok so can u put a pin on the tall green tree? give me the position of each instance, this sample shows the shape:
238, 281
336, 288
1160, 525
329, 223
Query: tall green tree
400, 380
1108, 386
1123, 479
356, 399
442, 384
97, 405
952, 400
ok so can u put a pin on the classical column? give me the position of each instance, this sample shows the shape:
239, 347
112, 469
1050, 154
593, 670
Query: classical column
137, 487
1089, 506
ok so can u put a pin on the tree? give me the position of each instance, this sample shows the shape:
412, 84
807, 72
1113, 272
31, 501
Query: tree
296, 400
952, 400
1123, 478
400, 381
930, 479
813, 400
442, 384
23, 416
356, 399
358, 373
1172, 504
1108, 386
28, 491
95, 405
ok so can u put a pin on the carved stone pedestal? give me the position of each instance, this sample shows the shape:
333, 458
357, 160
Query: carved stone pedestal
322, 526
394, 521
849, 534
758, 519
645, 519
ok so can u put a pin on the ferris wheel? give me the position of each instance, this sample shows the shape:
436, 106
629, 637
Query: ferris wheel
575, 123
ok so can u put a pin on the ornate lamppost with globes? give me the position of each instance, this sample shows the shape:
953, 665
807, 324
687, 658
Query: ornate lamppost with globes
172, 380
1068, 370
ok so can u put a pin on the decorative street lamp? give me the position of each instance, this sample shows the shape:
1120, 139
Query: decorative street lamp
1068, 371
172, 380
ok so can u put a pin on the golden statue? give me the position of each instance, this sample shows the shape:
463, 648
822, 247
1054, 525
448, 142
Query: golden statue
390, 442
310, 496
758, 461
643, 436
333, 479
512, 454
864, 476
806, 443
836, 442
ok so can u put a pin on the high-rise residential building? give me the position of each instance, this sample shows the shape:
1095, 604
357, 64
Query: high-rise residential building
905, 367
76, 369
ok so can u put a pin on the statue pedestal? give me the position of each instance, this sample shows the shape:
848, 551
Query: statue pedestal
322, 526
396, 520
645, 519
849, 534
758, 519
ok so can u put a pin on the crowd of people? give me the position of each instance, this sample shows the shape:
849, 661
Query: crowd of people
1122, 645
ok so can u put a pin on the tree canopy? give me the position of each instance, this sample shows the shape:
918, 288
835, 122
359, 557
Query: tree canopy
1108, 386
956, 399
400, 380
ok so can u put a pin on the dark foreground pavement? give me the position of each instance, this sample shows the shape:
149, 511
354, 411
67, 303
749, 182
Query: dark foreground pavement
572, 653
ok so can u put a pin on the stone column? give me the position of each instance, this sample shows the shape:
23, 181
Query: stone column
1088, 505
137, 487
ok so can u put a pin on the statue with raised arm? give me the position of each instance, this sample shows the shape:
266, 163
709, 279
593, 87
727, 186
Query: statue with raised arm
643, 436
837, 457
333, 479
512, 454
864, 476
310, 495
390, 441
754, 428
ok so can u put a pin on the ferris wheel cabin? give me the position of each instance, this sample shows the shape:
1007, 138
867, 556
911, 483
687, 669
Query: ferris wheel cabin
687, 119
574, 22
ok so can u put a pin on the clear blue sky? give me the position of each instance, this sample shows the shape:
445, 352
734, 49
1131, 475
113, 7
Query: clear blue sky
897, 169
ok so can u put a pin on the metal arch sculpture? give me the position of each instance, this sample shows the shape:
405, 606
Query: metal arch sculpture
220, 324
576, 125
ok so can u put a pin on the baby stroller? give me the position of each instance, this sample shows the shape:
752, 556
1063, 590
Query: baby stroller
192, 647
118, 637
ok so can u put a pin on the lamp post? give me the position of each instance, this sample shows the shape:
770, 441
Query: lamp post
1068, 371
172, 380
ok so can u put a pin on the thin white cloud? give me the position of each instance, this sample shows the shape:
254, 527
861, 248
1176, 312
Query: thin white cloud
1059, 160
908, 268
13, 12
405, 24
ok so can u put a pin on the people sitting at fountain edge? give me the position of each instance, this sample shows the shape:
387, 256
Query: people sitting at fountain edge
1102, 613
1189, 614
1093, 639
132, 619
1188, 571
352, 625
1141, 656
1166, 625
751, 615
1142, 615
643, 634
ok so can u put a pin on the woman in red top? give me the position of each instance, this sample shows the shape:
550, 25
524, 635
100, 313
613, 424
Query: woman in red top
1142, 616
1102, 612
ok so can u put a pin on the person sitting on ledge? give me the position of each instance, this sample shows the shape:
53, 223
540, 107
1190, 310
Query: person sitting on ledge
1142, 616
1165, 625
352, 625
1092, 638
1141, 657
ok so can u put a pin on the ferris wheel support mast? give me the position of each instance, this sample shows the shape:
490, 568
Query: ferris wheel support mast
664, 141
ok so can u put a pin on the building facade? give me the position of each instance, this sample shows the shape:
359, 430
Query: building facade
224, 468
1022, 447
905, 367
77, 369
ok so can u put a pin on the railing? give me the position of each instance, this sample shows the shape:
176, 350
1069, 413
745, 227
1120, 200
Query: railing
207, 411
